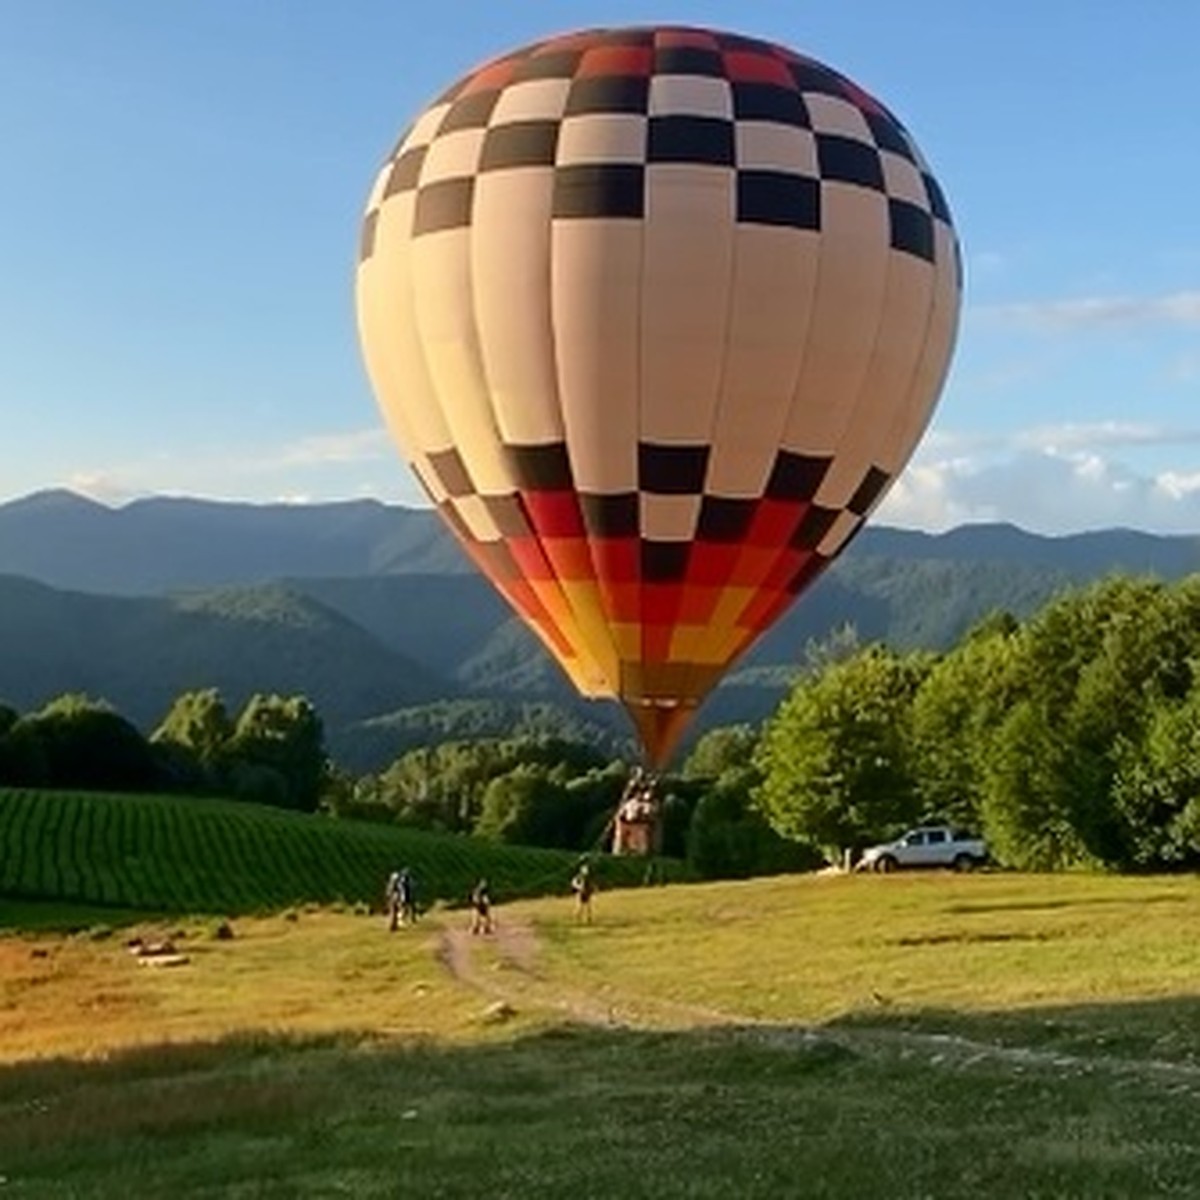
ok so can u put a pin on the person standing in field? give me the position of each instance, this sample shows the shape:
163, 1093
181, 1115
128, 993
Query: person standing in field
391, 900
481, 908
584, 887
407, 897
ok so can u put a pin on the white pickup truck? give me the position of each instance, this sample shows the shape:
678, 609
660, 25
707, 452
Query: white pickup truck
926, 846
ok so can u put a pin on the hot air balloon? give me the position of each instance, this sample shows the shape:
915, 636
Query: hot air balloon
656, 315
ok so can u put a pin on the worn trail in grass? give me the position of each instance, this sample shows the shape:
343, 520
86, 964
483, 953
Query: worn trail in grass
932, 1037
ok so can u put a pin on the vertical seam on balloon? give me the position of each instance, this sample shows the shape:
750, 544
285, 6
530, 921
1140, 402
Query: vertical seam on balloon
640, 341
722, 376
862, 395
504, 454
796, 399
936, 391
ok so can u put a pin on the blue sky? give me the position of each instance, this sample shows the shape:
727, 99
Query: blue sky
181, 186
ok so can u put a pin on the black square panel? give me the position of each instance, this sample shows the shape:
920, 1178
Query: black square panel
724, 519
608, 94
452, 473
689, 60
769, 102
600, 190
813, 527
796, 476
472, 111
672, 470
937, 199
406, 171
544, 468
778, 198
519, 144
445, 204
690, 139
609, 516
911, 229
874, 481
844, 160
664, 562
888, 135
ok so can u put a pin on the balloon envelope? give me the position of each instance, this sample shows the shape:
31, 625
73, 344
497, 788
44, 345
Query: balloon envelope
656, 315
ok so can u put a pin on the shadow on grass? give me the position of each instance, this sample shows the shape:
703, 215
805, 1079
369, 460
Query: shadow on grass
746, 1111
1065, 903
1163, 1030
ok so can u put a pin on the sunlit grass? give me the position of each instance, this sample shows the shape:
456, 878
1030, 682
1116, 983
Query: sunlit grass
932, 1036
816, 948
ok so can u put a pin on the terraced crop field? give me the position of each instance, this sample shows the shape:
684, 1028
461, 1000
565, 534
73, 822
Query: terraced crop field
181, 854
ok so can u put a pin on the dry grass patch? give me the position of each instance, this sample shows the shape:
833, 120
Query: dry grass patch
320, 972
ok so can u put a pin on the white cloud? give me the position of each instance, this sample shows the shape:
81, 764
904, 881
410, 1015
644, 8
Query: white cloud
1042, 490
360, 445
1103, 312
1062, 438
357, 463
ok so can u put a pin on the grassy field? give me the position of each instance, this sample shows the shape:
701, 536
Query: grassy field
183, 854
925, 1036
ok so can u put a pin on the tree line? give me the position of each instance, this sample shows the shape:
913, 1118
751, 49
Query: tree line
271, 752
1069, 740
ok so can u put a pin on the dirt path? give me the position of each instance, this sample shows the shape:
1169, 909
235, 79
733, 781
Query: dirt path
503, 966
511, 976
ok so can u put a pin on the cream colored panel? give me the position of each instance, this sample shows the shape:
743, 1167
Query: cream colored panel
765, 146
602, 138
838, 533
445, 315
774, 282
852, 275
377, 188
668, 518
534, 100
595, 274
425, 127
903, 180
391, 348
510, 266
894, 357
476, 518
686, 280
931, 370
831, 114
690, 95
454, 156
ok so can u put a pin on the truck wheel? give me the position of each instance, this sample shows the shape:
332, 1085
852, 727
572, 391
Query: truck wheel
885, 863
964, 862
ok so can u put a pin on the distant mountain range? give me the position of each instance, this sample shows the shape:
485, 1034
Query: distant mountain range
373, 612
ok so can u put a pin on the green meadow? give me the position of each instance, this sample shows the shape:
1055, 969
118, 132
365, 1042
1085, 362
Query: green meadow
929, 1035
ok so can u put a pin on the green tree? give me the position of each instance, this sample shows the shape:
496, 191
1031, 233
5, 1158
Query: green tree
1029, 799
524, 807
727, 749
277, 752
77, 741
955, 714
1156, 789
728, 838
194, 738
835, 760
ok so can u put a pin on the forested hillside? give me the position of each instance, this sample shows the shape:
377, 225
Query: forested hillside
373, 613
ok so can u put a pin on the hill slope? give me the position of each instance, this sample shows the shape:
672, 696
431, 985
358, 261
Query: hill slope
140, 653
163, 544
